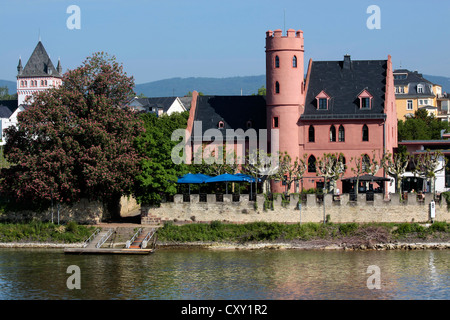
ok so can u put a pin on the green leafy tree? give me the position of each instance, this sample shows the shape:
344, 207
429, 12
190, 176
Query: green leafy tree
261, 91
421, 126
75, 141
159, 173
4, 94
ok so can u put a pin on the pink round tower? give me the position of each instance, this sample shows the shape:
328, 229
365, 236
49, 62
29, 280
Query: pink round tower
285, 96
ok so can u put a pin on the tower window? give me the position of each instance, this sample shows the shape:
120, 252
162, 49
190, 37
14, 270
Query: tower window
311, 134
332, 134
294, 62
277, 87
365, 133
341, 134
277, 62
275, 123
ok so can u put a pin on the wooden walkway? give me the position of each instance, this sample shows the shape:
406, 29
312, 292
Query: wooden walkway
143, 241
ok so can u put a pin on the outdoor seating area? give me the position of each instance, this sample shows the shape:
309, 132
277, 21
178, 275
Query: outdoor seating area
217, 189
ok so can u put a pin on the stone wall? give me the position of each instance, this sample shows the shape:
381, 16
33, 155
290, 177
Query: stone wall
342, 211
83, 212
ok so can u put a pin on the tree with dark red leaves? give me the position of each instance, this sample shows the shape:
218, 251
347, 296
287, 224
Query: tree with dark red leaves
75, 141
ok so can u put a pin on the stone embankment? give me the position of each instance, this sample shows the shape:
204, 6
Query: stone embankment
307, 245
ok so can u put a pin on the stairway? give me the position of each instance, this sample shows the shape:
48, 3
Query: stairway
137, 242
97, 238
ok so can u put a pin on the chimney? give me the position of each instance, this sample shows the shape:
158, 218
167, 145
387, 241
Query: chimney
347, 62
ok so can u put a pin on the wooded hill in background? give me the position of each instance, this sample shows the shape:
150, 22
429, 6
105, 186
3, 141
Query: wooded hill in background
233, 86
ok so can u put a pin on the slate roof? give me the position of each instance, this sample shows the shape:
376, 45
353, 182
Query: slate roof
411, 76
234, 111
39, 64
7, 108
343, 81
163, 103
412, 80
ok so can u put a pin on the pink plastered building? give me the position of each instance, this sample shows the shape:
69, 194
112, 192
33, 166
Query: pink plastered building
344, 106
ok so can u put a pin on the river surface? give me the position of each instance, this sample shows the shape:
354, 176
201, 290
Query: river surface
36, 274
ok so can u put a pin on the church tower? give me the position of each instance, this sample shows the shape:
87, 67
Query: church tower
38, 74
285, 88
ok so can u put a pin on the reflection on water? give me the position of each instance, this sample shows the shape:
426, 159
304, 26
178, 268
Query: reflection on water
203, 274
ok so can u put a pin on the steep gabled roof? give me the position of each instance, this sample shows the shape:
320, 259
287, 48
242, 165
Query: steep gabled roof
234, 111
343, 81
39, 64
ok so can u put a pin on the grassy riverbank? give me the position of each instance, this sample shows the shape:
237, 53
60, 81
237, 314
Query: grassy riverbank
348, 233
307, 234
37, 231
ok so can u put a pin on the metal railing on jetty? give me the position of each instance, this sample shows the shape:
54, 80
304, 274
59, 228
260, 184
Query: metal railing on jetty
92, 237
104, 238
151, 234
129, 242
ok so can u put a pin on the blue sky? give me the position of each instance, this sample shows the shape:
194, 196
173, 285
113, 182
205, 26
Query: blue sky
160, 39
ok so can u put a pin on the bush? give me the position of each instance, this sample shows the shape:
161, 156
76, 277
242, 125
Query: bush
439, 227
348, 228
72, 226
406, 228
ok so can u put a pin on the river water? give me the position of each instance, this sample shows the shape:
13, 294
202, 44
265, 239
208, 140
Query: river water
37, 274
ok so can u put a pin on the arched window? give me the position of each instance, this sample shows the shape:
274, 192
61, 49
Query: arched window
294, 62
42, 83
311, 134
277, 62
332, 134
277, 87
311, 164
341, 134
365, 133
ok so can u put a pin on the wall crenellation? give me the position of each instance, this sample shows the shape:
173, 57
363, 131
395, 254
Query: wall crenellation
338, 210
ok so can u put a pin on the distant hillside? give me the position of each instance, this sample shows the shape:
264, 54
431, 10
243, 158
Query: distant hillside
12, 86
443, 81
213, 86
208, 86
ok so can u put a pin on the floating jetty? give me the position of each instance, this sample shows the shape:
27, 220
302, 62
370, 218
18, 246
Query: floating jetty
143, 241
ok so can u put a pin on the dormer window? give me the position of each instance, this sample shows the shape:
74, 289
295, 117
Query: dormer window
221, 124
322, 100
365, 100
249, 124
419, 88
